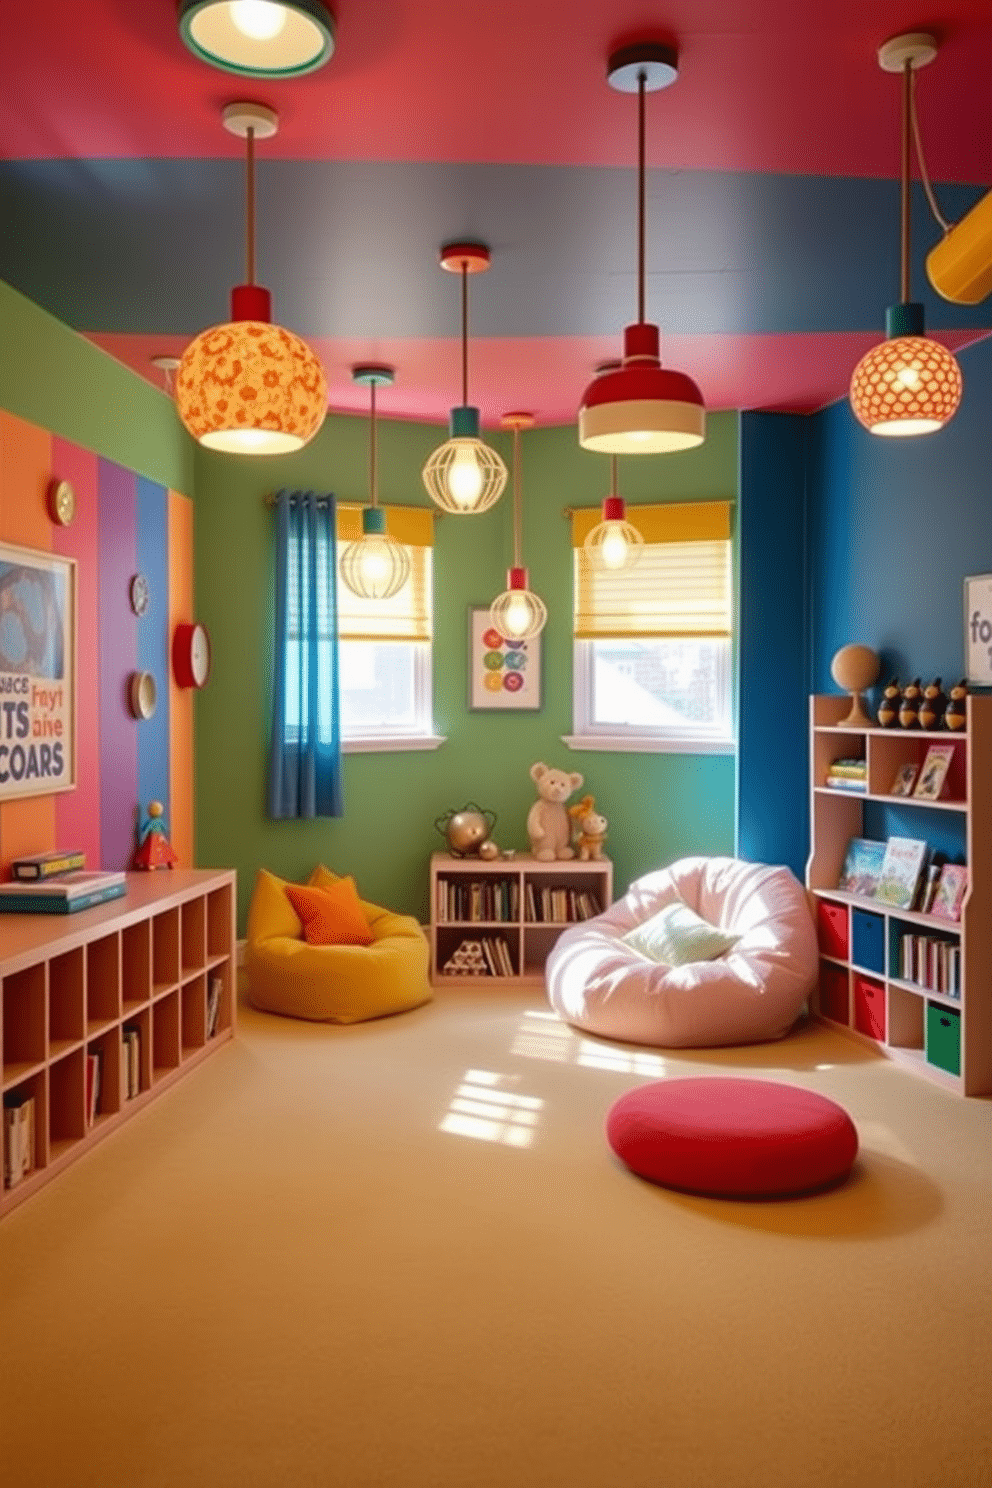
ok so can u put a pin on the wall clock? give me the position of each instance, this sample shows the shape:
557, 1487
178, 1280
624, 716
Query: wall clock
61, 502
139, 594
191, 655
142, 694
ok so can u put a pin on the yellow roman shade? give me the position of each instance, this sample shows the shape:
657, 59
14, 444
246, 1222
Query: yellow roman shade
408, 615
680, 587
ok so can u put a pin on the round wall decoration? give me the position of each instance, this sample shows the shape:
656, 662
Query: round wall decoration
191, 655
61, 502
142, 694
139, 594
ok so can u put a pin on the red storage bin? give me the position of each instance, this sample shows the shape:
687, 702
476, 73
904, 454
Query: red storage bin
869, 1007
833, 993
831, 920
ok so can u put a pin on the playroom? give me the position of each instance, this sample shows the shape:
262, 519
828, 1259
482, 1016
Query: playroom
495, 871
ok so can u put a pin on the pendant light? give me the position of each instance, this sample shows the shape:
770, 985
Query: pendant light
908, 384
258, 38
614, 543
465, 476
518, 613
376, 566
641, 408
249, 387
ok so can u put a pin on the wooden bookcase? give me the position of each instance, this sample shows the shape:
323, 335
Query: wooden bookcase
75, 985
946, 1038
523, 886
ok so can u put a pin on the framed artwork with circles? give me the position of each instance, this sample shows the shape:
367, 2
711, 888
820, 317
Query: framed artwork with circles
503, 674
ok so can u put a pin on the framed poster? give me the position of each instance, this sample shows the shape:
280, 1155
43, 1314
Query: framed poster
978, 630
37, 673
502, 674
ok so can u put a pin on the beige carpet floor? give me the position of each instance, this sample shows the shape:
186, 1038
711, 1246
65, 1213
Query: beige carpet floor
402, 1254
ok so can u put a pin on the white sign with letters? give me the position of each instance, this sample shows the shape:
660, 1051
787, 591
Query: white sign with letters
978, 630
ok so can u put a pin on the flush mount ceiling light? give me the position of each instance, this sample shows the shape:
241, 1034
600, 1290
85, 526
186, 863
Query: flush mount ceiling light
641, 409
518, 613
614, 543
250, 387
464, 476
376, 566
258, 38
908, 384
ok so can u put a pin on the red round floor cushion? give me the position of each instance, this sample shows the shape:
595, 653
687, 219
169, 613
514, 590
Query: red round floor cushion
733, 1138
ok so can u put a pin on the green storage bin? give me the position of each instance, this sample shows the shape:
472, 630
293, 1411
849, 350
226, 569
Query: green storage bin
944, 1037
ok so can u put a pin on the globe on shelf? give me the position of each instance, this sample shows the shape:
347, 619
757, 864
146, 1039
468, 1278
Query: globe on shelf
855, 668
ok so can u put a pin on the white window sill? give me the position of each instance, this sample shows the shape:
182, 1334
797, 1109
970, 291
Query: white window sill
392, 743
634, 744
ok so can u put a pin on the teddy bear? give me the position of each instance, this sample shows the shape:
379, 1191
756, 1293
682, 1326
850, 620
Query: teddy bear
591, 829
548, 826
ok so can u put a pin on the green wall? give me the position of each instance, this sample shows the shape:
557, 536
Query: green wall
660, 806
53, 377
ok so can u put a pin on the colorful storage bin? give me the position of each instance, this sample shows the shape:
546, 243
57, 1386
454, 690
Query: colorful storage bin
944, 1037
869, 1007
831, 922
868, 940
833, 992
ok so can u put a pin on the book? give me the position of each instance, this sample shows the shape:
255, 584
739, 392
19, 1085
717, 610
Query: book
933, 776
48, 864
856, 768
94, 1063
862, 866
846, 783
928, 888
213, 1004
950, 892
18, 1123
905, 780
62, 895
902, 866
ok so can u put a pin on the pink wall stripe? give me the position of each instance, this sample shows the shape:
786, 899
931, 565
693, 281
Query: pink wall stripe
77, 813
118, 738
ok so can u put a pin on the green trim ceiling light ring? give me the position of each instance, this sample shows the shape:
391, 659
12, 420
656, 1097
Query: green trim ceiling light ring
304, 44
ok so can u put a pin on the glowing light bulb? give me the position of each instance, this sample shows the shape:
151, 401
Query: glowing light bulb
259, 19
517, 616
375, 563
908, 377
614, 549
465, 477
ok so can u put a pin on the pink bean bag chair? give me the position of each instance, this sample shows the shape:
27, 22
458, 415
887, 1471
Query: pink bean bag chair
755, 941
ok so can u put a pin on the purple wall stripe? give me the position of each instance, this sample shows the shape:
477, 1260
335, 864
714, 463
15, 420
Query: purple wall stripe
118, 738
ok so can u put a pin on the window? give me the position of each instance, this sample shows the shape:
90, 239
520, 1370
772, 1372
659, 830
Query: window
652, 659
384, 646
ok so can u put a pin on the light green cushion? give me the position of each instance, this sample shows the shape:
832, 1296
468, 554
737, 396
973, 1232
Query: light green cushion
677, 935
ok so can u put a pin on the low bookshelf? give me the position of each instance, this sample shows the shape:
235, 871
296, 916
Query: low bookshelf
512, 909
105, 1008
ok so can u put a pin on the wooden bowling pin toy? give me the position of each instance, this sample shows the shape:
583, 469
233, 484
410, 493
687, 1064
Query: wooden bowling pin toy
888, 708
909, 708
956, 712
933, 704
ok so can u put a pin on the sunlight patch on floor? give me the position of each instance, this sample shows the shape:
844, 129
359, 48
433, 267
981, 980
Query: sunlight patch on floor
545, 1036
481, 1110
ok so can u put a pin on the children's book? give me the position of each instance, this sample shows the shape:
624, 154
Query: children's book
905, 859
930, 785
951, 888
905, 780
862, 866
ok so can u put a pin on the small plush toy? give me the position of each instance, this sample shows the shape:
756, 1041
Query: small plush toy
956, 712
548, 826
909, 708
888, 708
591, 828
933, 705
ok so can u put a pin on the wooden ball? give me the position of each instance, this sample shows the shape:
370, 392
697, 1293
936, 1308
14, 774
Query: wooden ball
855, 667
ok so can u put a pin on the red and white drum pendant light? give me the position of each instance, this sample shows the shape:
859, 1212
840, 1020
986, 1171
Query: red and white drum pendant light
641, 408
249, 387
518, 613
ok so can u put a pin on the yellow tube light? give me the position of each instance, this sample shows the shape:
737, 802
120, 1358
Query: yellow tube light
960, 267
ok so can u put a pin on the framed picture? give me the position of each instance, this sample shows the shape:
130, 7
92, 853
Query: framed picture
905, 780
502, 674
37, 673
978, 630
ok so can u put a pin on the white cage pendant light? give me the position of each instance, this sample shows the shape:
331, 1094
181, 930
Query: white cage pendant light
641, 408
258, 38
375, 566
249, 387
518, 613
614, 543
907, 384
465, 476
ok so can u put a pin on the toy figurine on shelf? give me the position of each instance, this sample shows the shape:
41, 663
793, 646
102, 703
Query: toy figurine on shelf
888, 708
154, 850
933, 705
909, 708
956, 712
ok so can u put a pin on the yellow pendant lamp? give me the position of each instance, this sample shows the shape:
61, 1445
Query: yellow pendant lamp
908, 384
249, 387
375, 566
518, 613
464, 475
641, 408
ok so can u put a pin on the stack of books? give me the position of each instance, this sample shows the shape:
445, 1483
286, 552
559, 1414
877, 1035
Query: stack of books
848, 774
62, 893
18, 1138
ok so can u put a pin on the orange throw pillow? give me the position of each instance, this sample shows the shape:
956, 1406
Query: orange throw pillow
331, 916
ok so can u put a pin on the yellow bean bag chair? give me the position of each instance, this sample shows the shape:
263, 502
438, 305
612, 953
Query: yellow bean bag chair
331, 983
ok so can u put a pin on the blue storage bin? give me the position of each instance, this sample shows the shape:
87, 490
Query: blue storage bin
868, 940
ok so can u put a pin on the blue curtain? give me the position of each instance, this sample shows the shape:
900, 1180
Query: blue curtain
305, 756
